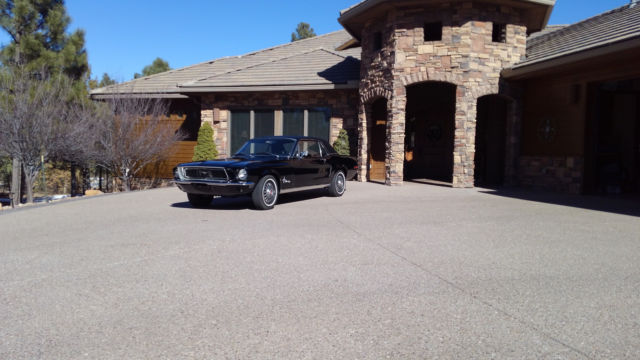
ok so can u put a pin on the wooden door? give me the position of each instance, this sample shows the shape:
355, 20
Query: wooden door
378, 139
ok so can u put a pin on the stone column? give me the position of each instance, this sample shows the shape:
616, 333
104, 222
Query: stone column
363, 143
395, 138
464, 138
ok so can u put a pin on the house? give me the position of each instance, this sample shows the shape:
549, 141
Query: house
465, 92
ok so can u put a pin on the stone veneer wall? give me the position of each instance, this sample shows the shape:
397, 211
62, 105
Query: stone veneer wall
215, 109
554, 173
466, 57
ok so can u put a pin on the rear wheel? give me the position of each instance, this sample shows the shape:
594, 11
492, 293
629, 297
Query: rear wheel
338, 184
265, 194
199, 201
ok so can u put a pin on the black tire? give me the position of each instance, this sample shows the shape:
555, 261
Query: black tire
199, 201
265, 194
338, 184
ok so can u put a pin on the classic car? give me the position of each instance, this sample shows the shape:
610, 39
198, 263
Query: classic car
266, 167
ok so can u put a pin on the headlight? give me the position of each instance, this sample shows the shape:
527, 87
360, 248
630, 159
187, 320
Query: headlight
242, 174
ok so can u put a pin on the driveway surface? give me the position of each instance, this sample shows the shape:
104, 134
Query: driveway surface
411, 272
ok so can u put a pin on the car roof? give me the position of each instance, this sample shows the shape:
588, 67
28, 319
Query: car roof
288, 137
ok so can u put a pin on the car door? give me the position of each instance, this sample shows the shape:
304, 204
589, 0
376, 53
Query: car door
309, 166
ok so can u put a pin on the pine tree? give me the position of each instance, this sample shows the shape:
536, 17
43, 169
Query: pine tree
303, 31
157, 66
39, 38
341, 145
41, 45
206, 147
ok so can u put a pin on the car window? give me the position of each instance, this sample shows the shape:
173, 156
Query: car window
267, 146
309, 147
326, 149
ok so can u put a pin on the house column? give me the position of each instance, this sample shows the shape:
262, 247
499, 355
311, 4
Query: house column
464, 139
363, 143
395, 137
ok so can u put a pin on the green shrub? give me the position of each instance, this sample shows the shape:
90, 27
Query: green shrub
341, 145
206, 147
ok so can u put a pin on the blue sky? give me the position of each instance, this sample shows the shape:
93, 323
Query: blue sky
125, 35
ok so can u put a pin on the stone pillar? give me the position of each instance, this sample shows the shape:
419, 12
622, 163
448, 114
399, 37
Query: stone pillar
363, 143
221, 127
206, 111
464, 138
395, 137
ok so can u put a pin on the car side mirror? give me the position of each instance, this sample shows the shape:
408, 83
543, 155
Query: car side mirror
302, 154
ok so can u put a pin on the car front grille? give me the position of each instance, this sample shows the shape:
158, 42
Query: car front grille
208, 174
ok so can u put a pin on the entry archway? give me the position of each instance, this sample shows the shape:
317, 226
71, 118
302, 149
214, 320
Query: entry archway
429, 131
490, 141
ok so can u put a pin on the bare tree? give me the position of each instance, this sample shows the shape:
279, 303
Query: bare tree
133, 133
32, 109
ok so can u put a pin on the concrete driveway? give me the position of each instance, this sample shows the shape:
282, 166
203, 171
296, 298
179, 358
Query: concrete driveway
411, 272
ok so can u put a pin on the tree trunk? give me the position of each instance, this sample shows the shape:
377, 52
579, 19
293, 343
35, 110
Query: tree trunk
30, 176
29, 185
85, 179
74, 181
126, 183
100, 179
16, 177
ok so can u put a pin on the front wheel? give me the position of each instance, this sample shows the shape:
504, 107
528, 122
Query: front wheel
265, 194
199, 201
338, 184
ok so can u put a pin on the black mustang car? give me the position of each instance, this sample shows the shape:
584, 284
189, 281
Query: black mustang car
266, 167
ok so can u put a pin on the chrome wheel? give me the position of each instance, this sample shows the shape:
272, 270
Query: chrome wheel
341, 184
338, 184
269, 192
265, 194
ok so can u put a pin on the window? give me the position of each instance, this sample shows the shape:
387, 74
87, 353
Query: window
433, 31
263, 123
499, 34
293, 122
318, 124
240, 129
377, 41
249, 124
310, 148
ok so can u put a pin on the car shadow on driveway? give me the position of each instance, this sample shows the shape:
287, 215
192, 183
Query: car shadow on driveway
623, 204
245, 203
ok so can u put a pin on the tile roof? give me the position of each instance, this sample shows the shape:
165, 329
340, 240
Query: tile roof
608, 28
261, 65
314, 67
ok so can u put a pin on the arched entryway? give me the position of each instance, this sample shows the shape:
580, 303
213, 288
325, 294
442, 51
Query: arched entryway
491, 139
378, 141
429, 131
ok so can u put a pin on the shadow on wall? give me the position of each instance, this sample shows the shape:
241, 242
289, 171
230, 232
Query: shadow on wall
623, 204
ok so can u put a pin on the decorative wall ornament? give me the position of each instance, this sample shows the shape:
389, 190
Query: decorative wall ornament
547, 129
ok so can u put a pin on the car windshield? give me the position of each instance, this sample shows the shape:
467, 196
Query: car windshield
267, 147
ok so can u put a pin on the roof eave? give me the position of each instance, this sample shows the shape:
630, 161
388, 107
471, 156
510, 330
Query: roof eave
349, 14
137, 95
267, 88
527, 70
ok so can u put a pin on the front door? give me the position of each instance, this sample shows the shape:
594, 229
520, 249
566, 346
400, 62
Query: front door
378, 137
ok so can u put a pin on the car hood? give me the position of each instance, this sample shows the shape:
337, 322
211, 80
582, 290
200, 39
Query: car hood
233, 162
